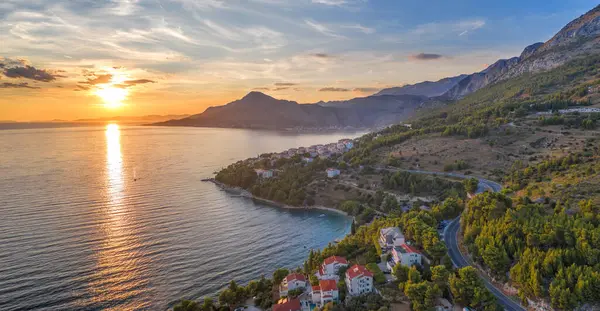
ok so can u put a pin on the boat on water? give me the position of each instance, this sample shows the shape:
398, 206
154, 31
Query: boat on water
322, 215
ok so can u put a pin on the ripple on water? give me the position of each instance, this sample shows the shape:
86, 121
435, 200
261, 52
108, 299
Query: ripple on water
79, 233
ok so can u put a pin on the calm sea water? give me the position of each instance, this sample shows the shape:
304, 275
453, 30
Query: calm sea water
78, 232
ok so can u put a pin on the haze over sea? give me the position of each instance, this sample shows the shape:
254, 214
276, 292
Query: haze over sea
77, 231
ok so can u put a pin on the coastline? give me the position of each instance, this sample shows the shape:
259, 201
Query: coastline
246, 194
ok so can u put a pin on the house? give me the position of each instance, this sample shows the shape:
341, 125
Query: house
291, 282
332, 172
391, 237
314, 154
327, 291
405, 255
330, 267
315, 293
346, 143
359, 280
264, 173
289, 305
307, 160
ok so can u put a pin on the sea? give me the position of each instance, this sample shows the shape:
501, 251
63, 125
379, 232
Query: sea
116, 217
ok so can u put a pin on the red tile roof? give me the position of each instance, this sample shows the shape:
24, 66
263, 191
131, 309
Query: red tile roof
295, 276
334, 259
358, 271
316, 288
291, 305
409, 249
328, 285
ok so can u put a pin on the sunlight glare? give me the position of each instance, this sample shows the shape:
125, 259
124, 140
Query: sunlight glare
113, 97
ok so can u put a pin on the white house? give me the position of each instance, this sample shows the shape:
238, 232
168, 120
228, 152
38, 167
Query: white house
264, 173
406, 255
391, 237
291, 282
330, 267
307, 160
332, 172
326, 292
359, 280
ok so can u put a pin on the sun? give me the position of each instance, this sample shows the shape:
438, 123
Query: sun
113, 97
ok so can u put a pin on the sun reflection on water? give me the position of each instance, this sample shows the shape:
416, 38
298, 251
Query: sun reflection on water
117, 267
114, 164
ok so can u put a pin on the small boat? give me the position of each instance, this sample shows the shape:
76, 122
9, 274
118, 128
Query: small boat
135, 175
322, 215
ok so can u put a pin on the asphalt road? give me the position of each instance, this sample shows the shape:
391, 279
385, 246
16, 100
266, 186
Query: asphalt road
451, 237
459, 260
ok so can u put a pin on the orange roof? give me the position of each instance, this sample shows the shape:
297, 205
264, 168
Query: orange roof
292, 305
328, 285
295, 276
333, 259
358, 271
316, 288
409, 249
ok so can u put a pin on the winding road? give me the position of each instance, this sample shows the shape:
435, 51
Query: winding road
451, 239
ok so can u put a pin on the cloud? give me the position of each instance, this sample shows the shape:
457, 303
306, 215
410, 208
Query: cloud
139, 81
7, 85
426, 56
334, 89
30, 72
81, 88
280, 88
285, 84
330, 2
322, 29
361, 28
261, 89
366, 89
98, 79
322, 55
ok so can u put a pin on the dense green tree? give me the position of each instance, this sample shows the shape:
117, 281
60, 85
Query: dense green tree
187, 305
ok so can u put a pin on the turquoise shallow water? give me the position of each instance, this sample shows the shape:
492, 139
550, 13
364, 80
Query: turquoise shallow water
117, 217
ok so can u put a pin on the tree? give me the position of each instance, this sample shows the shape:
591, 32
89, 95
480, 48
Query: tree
400, 272
468, 290
439, 276
186, 305
227, 298
422, 295
279, 275
471, 185
208, 304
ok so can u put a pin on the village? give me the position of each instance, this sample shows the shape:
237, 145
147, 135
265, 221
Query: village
299, 292
308, 155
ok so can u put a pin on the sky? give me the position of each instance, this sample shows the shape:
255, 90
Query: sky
72, 59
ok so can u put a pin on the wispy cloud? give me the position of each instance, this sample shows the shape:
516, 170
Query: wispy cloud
323, 29
330, 2
426, 56
334, 89
9, 85
361, 28
366, 89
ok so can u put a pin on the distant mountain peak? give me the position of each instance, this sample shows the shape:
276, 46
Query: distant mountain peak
426, 88
256, 95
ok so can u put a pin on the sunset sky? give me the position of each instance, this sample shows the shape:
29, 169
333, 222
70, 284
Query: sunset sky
99, 58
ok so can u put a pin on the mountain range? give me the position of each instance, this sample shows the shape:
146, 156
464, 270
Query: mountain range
579, 38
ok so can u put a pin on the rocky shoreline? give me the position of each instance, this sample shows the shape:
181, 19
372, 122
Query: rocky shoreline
246, 194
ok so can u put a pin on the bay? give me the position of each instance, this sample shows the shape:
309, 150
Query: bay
118, 218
